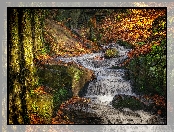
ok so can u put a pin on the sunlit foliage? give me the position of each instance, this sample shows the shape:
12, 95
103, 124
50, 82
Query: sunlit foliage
36, 37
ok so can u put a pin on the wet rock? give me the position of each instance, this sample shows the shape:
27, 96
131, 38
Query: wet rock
109, 83
145, 103
127, 101
75, 110
82, 111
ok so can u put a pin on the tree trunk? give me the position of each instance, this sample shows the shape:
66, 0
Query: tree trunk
37, 31
21, 67
15, 86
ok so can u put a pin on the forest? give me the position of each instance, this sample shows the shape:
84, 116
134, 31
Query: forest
86, 65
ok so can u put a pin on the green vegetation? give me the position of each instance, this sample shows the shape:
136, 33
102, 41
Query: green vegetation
148, 72
39, 34
59, 96
63, 82
109, 53
42, 105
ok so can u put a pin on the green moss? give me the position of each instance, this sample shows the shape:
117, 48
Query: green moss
71, 77
59, 96
65, 82
76, 75
111, 53
42, 104
55, 77
147, 72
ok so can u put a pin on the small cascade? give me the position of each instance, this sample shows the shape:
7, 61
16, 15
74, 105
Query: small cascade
108, 83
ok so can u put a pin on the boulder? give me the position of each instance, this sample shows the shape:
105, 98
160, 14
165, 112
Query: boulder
127, 101
151, 104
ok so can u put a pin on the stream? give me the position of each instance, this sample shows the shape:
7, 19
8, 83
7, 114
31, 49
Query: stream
101, 91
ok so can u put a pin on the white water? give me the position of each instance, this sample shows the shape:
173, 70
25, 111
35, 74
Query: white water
108, 83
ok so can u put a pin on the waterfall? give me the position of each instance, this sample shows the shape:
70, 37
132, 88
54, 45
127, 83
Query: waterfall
108, 83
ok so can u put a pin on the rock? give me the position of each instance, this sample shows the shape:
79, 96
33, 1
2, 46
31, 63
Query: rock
127, 101
75, 111
79, 110
145, 103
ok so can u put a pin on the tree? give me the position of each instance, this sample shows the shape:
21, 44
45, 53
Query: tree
22, 41
37, 22
15, 85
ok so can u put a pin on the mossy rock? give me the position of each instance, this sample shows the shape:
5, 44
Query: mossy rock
55, 76
64, 81
110, 53
127, 101
59, 96
71, 76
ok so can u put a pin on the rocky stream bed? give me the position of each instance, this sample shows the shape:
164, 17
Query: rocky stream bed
98, 97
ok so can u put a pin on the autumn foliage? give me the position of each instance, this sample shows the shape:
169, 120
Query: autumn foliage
61, 117
144, 29
63, 42
133, 26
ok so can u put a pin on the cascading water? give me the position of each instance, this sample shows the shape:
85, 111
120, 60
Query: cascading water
108, 83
